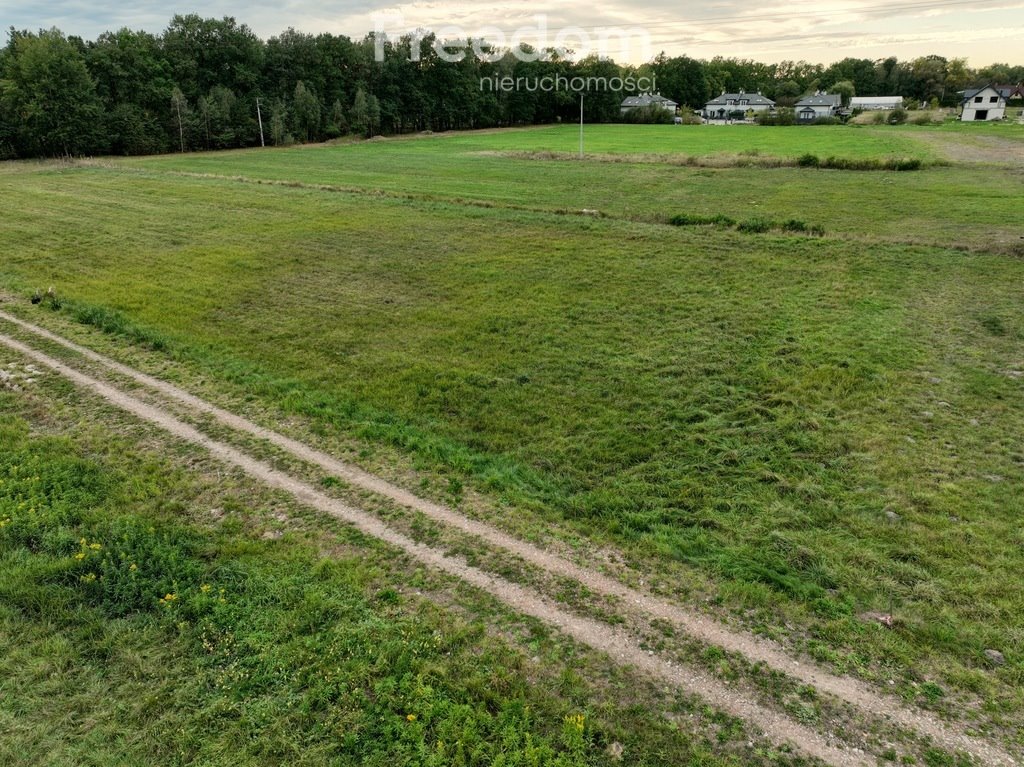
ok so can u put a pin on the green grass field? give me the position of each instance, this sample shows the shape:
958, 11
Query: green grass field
911, 207
811, 427
139, 629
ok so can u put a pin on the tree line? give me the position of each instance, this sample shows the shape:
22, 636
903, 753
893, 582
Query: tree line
204, 83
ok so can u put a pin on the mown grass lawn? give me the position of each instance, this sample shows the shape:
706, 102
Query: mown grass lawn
907, 206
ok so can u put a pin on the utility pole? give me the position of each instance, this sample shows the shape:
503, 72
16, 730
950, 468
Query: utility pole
581, 126
259, 116
181, 130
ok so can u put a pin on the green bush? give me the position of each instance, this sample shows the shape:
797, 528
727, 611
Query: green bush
897, 116
808, 161
781, 116
843, 163
905, 163
755, 226
689, 219
649, 115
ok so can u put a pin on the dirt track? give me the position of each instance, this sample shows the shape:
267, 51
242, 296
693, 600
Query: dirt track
977, 149
617, 643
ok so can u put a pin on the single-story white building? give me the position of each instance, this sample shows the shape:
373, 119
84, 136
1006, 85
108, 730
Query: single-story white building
876, 102
982, 104
817, 106
647, 100
721, 107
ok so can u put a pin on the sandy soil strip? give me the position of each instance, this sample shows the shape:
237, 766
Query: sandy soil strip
617, 644
696, 625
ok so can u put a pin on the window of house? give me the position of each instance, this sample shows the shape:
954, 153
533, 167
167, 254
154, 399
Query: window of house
993, 99
977, 99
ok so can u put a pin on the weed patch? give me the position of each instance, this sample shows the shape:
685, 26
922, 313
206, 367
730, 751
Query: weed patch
251, 648
751, 226
115, 323
690, 219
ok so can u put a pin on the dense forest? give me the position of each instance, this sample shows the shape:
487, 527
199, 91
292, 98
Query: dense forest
203, 84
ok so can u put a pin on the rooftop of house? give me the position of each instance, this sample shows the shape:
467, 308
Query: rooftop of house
1004, 91
750, 98
821, 100
648, 99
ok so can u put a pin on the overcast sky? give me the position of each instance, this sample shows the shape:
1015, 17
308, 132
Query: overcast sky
983, 31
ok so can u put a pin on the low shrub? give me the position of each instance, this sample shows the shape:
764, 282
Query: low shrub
808, 161
797, 226
755, 226
905, 163
896, 163
781, 116
843, 163
897, 116
689, 219
649, 115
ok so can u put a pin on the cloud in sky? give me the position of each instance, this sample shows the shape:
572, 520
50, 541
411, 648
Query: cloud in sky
984, 31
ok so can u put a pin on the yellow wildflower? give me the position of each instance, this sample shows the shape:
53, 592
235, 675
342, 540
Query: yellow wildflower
411, 717
133, 568
204, 588
576, 721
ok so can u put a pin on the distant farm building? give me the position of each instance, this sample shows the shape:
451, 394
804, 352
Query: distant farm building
983, 105
818, 106
876, 102
647, 101
730, 104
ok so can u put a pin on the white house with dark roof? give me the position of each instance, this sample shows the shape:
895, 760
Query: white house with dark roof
721, 107
983, 104
647, 100
818, 106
